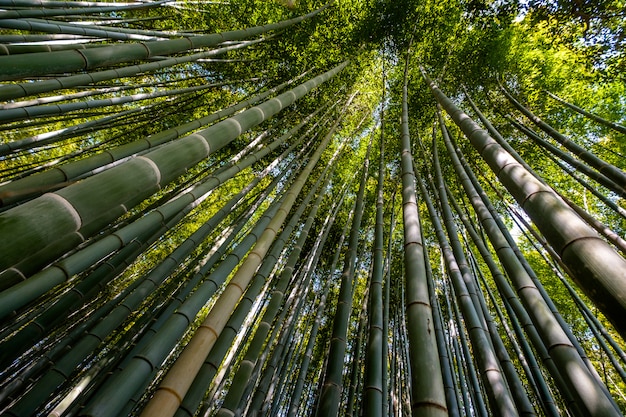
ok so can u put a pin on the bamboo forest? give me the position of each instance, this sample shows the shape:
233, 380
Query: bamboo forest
312, 208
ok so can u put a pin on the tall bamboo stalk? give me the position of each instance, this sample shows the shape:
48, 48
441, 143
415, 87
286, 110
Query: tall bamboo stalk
427, 391
89, 204
594, 117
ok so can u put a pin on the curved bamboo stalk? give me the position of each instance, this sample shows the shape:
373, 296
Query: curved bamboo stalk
449, 381
18, 90
38, 284
611, 171
594, 117
99, 199
531, 273
33, 112
48, 26
294, 405
44, 63
518, 316
579, 166
57, 10
427, 391
253, 353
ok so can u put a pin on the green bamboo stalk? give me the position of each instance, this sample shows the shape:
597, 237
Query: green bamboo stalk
38, 284
570, 365
258, 341
18, 90
75, 9
518, 315
594, 190
87, 344
375, 361
100, 198
172, 327
33, 112
579, 166
45, 63
538, 285
612, 172
296, 397
588, 316
427, 391
594, 117
48, 26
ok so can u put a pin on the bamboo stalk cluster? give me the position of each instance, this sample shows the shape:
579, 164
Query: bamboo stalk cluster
170, 235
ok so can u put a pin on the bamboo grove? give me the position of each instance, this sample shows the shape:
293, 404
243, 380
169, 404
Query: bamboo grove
295, 208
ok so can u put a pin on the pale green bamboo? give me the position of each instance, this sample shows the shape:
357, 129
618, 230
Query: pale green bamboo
575, 163
62, 4
531, 273
45, 63
427, 391
22, 188
173, 327
517, 314
72, 209
588, 316
101, 330
594, 117
41, 12
611, 171
33, 112
598, 269
583, 385
174, 386
296, 397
